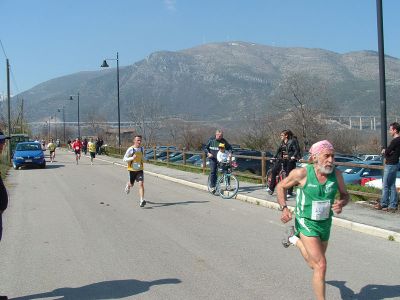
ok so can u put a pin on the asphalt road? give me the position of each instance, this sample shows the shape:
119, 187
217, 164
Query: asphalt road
72, 233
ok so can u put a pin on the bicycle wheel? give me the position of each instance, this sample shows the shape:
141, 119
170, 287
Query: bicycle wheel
227, 186
282, 175
269, 177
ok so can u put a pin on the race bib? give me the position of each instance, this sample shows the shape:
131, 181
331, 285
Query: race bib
76, 148
136, 166
320, 210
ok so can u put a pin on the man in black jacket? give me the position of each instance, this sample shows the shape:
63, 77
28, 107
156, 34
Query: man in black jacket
389, 200
211, 150
3, 194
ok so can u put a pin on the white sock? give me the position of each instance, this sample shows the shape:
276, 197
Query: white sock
293, 240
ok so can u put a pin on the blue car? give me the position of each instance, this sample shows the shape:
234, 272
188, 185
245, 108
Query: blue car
28, 154
353, 175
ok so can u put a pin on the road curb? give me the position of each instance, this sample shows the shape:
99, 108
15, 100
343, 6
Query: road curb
363, 228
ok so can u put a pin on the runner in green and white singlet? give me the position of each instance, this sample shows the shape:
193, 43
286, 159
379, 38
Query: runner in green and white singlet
313, 205
317, 184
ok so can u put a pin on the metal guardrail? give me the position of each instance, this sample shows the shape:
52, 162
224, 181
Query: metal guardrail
263, 161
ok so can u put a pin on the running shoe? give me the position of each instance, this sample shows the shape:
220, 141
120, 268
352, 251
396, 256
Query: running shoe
127, 188
289, 196
289, 233
142, 203
269, 191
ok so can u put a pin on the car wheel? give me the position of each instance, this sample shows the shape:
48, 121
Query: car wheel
43, 165
15, 166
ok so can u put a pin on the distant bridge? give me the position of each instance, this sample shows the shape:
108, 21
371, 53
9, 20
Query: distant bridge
362, 122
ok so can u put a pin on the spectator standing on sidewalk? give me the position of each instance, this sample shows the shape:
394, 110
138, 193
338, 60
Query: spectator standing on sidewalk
84, 146
3, 195
389, 200
211, 149
97, 145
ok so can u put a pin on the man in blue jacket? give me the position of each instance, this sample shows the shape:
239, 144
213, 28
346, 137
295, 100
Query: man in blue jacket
211, 150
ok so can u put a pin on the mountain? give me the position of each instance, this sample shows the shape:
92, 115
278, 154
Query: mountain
218, 80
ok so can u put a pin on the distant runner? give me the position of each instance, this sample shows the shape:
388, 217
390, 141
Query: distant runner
134, 158
315, 203
76, 147
92, 150
52, 148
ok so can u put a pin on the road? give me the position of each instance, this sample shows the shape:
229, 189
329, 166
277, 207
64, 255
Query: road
72, 233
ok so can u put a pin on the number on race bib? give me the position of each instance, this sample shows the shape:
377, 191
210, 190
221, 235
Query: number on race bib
320, 210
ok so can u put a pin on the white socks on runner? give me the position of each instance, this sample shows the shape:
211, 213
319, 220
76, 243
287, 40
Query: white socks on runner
293, 240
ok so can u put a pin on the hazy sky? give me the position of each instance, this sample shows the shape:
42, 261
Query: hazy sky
45, 39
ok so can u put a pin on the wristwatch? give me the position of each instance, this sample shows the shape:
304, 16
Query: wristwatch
283, 207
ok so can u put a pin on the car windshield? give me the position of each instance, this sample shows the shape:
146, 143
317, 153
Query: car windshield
28, 147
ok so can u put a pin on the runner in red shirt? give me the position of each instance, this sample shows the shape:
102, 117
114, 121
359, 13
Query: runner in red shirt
77, 146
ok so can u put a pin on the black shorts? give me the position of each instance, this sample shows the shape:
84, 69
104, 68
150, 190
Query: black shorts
77, 152
92, 154
136, 176
51, 152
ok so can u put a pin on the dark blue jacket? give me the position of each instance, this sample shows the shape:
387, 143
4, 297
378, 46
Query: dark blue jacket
212, 146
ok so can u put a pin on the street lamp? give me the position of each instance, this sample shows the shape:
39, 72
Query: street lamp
71, 97
63, 111
105, 65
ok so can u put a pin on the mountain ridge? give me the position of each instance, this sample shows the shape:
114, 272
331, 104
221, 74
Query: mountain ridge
217, 80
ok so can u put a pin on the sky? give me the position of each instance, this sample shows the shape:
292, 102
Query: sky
45, 39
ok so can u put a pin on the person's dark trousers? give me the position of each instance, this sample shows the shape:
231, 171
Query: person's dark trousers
276, 168
291, 165
213, 171
1, 225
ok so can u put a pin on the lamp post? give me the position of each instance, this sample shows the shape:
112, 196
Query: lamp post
71, 97
382, 80
105, 65
55, 125
63, 111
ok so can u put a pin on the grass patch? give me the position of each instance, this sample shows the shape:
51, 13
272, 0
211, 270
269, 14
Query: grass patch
365, 189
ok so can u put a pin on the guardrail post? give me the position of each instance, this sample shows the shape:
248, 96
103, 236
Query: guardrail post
184, 157
154, 152
167, 156
263, 168
204, 162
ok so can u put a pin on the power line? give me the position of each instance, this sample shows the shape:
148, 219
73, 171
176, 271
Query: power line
12, 73
2, 47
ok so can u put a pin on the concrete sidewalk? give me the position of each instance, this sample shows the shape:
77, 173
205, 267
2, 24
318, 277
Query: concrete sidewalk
358, 217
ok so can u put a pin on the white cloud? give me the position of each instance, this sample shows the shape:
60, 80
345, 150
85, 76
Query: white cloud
170, 4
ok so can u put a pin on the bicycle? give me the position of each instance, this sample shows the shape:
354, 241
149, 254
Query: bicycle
227, 184
280, 176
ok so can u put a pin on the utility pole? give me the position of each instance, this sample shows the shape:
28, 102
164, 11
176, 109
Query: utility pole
9, 110
22, 115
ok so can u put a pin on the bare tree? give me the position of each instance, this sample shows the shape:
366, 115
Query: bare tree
256, 133
174, 128
147, 113
303, 99
346, 140
96, 121
195, 138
